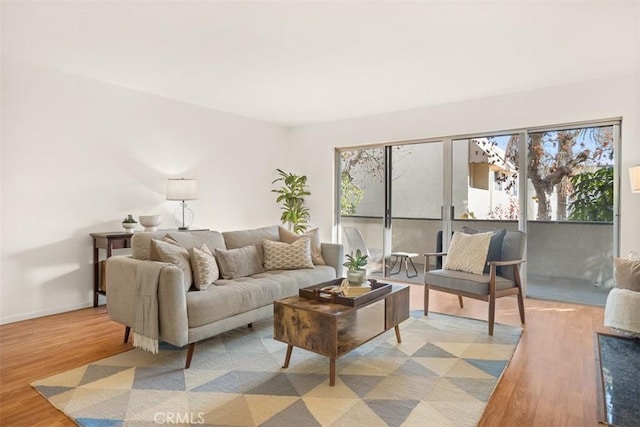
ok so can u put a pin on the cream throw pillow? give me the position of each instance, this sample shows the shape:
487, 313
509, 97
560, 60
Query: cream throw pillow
468, 252
627, 273
313, 235
239, 262
167, 250
205, 268
287, 256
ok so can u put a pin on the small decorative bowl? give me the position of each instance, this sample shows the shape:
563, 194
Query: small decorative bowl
150, 222
129, 226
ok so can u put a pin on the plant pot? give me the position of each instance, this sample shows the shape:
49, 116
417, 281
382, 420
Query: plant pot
129, 226
356, 277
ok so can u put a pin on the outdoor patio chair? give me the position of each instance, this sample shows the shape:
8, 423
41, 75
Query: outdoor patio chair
502, 279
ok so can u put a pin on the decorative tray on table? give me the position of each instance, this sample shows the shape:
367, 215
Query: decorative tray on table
332, 292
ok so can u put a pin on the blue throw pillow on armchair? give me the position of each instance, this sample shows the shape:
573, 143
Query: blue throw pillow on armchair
495, 246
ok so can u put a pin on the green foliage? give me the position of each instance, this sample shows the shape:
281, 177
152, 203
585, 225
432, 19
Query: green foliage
350, 195
592, 197
357, 261
292, 195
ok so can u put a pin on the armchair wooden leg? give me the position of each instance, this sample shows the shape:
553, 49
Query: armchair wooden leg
426, 299
192, 346
521, 306
492, 313
460, 301
127, 330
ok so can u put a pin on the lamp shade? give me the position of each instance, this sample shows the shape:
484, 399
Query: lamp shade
182, 189
634, 174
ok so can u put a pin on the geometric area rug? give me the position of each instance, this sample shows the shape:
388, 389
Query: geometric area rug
442, 374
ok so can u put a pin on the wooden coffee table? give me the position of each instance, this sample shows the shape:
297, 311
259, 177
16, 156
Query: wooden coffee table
333, 330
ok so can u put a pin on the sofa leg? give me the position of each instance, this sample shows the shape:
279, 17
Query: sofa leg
127, 330
460, 301
192, 346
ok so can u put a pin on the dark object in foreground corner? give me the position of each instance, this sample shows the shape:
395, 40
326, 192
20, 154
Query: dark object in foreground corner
618, 371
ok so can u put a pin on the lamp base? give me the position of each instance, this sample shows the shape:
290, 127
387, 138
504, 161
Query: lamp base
183, 217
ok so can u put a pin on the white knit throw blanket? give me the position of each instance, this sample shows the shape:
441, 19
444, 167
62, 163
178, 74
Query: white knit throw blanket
145, 317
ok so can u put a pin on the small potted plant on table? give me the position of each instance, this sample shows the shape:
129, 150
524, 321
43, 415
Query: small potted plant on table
129, 223
355, 263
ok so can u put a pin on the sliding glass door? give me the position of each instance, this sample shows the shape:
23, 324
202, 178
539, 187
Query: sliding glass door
557, 184
417, 174
571, 213
362, 187
390, 205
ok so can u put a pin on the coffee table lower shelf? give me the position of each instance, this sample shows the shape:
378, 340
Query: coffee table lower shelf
334, 330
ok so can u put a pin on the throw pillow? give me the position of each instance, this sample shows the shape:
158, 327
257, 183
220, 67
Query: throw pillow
205, 268
313, 235
468, 252
627, 273
239, 262
495, 246
167, 250
287, 256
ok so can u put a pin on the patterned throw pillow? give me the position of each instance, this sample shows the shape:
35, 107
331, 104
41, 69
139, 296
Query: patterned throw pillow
287, 256
468, 252
168, 250
205, 268
313, 235
495, 246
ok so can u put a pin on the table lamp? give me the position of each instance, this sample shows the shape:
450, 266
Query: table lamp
182, 190
634, 174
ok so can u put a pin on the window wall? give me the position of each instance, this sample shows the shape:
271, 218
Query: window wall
557, 184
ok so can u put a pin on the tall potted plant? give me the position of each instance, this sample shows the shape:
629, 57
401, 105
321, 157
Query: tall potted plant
291, 195
355, 263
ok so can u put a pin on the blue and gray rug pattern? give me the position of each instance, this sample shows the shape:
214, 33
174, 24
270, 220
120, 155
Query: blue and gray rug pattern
442, 374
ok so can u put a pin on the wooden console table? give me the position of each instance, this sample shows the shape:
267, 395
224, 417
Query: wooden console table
108, 242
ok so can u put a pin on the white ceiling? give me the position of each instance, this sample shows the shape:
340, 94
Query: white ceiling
296, 63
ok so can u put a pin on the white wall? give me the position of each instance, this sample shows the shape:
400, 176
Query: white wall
79, 155
616, 97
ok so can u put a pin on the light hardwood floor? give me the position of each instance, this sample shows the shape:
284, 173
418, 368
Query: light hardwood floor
551, 380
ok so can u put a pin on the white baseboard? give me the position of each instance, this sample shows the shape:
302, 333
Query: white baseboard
49, 312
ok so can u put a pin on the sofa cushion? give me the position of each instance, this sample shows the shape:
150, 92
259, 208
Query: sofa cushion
468, 252
627, 273
230, 297
204, 267
287, 256
242, 238
313, 234
495, 246
171, 252
467, 282
240, 262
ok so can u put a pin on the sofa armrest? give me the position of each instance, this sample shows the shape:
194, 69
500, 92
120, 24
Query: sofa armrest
172, 303
333, 254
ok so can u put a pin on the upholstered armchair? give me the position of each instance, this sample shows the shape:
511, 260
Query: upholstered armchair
622, 310
498, 275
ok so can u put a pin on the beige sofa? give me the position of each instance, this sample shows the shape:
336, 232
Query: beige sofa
188, 317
